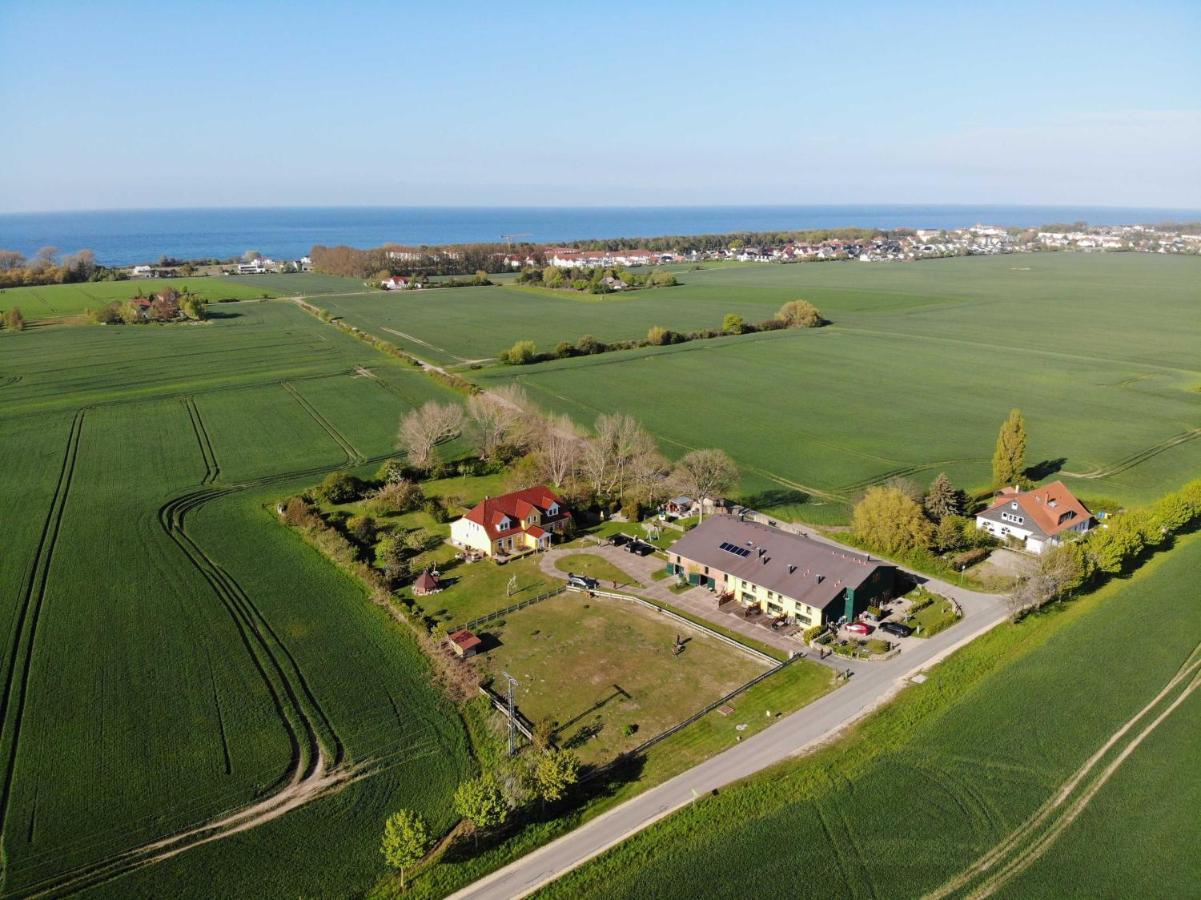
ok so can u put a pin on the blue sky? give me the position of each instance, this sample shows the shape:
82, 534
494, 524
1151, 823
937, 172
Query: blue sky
111, 105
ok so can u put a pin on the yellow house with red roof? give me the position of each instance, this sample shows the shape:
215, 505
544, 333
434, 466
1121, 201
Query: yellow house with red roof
512, 524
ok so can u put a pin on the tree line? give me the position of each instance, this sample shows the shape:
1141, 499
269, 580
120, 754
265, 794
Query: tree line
47, 267
595, 280
462, 259
617, 465
793, 314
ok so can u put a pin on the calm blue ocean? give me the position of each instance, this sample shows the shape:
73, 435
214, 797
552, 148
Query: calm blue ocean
122, 237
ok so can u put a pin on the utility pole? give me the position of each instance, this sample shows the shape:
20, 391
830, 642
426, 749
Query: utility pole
512, 714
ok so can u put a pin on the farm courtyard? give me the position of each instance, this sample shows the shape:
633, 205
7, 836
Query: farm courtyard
605, 672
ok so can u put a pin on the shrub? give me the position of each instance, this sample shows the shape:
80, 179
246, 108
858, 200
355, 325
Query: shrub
520, 354
800, 314
733, 324
434, 508
658, 336
969, 557
397, 497
587, 345
812, 632
340, 487
392, 471
564, 350
362, 529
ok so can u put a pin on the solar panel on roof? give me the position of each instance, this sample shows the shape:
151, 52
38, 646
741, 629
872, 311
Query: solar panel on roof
734, 548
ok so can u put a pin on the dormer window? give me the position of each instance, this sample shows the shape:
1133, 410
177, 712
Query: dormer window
1013, 505
553, 509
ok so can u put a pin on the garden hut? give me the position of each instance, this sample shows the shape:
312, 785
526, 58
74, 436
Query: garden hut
427, 583
464, 643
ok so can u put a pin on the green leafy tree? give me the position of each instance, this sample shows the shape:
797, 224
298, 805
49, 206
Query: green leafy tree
1111, 547
942, 499
406, 839
733, 324
1009, 457
392, 471
340, 487
951, 533
481, 802
554, 773
891, 521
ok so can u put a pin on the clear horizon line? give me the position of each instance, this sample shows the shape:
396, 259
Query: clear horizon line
613, 206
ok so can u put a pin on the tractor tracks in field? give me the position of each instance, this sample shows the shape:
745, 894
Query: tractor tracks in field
212, 469
1030, 841
32, 600
1141, 456
353, 456
318, 758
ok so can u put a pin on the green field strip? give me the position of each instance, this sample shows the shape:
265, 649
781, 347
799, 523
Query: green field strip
353, 456
20, 657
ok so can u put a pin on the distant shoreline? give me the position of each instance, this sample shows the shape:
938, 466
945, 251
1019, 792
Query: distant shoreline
126, 237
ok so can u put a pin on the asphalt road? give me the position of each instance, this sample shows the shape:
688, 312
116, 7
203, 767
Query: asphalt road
871, 685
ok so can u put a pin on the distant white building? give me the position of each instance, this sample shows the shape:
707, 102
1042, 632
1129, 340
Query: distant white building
141, 272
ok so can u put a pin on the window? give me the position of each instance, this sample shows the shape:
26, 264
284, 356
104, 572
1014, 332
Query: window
706, 570
1010, 517
748, 598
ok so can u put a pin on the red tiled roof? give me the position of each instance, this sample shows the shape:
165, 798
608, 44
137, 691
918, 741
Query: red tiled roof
464, 639
1049, 506
492, 512
427, 582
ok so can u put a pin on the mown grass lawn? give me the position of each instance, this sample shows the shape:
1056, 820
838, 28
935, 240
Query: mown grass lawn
605, 670
595, 567
478, 588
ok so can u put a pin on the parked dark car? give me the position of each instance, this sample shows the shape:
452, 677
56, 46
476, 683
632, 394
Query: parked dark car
896, 629
640, 547
620, 540
582, 581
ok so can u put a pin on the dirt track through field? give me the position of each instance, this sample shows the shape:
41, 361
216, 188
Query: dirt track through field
1030, 841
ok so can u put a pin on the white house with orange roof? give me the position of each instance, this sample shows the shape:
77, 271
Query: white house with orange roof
1039, 518
512, 524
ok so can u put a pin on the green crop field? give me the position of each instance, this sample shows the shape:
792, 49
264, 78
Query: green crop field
63, 300
299, 283
178, 664
965, 764
921, 366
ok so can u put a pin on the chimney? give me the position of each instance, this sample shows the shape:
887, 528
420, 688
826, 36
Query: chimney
791, 568
821, 578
